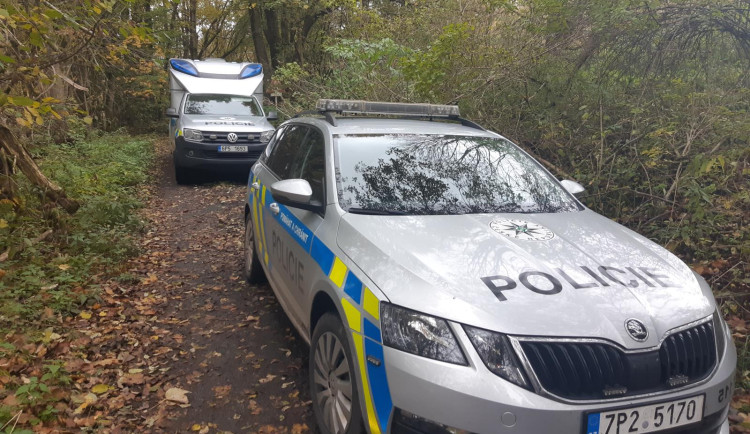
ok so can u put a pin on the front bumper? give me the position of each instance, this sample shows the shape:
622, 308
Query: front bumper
205, 155
473, 399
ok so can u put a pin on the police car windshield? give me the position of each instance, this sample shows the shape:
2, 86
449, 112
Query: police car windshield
436, 174
221, 105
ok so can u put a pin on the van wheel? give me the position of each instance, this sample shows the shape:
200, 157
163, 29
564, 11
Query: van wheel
253, 270
333, 383
183, 175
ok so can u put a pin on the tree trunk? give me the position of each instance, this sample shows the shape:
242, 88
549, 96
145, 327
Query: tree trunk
7, 186
259, 39
273, 36
15, 154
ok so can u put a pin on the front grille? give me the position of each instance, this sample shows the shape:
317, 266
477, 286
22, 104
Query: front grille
252, 154
592, 370
217, 137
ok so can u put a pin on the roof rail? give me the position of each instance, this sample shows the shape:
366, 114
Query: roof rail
328, 115
327, 108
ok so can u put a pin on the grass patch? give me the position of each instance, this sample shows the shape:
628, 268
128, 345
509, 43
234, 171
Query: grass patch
57, 276
47, 283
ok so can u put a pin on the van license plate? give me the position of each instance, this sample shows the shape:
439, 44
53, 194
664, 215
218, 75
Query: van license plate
232, 148
648, 418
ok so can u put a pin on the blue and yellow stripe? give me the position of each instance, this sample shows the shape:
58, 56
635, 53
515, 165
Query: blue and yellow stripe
360, 305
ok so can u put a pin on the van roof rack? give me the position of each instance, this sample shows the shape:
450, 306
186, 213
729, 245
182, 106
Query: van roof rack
329, 107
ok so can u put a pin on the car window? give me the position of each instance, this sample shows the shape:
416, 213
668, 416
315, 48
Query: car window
221, 105
282, 159
272, 144
312, 167
436, 174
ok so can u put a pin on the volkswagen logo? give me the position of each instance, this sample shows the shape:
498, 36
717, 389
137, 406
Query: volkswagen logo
232, 137
636, 329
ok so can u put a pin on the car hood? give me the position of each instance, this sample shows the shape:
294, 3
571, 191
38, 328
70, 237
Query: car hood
587, 280
226, 123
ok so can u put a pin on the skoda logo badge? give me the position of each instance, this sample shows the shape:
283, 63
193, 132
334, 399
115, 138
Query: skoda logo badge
521, 230
232, 137
636, 330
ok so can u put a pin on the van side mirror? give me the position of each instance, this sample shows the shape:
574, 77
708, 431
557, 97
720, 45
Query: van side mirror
572, 187
272, 116
172, 113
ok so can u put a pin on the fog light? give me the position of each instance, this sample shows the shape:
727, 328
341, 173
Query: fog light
405, 422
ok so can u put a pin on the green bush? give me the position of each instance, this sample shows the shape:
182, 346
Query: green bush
103, 174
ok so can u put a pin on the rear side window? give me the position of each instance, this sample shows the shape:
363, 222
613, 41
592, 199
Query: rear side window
282, 160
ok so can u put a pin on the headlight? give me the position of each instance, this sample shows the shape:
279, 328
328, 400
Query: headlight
497, 354
419, 334
192, 135
721, 332
265, 136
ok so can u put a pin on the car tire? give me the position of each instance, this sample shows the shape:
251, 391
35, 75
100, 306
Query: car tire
253, 270
182, 175
332, 378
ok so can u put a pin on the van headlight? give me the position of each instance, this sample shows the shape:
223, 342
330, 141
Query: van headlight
419, 334
265, 136
497, 354
192, 135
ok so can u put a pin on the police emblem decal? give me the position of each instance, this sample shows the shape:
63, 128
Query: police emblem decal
521, 230
636, 329
232, 137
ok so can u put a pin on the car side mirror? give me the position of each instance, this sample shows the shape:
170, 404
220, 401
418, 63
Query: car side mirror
295, 193
572, 187
172, 113
272, 116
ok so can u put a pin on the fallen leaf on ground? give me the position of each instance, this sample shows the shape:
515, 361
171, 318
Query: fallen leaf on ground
222, 391
100, 388
178, 395
268, 378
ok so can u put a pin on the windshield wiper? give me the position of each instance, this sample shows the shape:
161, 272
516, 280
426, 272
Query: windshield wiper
375, 211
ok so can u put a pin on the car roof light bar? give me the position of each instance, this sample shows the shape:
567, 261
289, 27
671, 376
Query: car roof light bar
184, 66
251, 70
387, 108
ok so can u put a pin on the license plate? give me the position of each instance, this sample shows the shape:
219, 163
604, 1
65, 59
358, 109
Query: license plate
232, 148
648, 418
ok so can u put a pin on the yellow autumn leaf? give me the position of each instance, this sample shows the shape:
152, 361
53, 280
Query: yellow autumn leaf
100, 388
3, 224
195, 427
64, 267
86, 315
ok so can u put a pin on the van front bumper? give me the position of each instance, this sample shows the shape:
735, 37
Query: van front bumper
435, 397
203, 155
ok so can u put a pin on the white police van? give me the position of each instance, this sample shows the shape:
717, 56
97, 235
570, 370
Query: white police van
217, 119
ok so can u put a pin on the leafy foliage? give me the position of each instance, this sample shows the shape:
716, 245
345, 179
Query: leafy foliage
103, 174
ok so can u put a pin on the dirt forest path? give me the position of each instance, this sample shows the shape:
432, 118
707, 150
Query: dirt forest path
227, 343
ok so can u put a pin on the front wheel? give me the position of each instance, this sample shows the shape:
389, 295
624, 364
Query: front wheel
253, 270
182, 175
333, 384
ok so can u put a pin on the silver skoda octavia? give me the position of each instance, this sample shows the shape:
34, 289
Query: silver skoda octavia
447, 283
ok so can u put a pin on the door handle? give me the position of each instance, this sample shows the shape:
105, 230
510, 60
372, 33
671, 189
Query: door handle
254, 186
274, 208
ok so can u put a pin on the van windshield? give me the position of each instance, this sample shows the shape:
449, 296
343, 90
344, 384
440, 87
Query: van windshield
222, 105
435, 174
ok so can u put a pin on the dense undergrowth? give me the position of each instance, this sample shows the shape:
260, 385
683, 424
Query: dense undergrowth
46, 282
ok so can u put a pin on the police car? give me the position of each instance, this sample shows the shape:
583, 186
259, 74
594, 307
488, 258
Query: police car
447, 283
